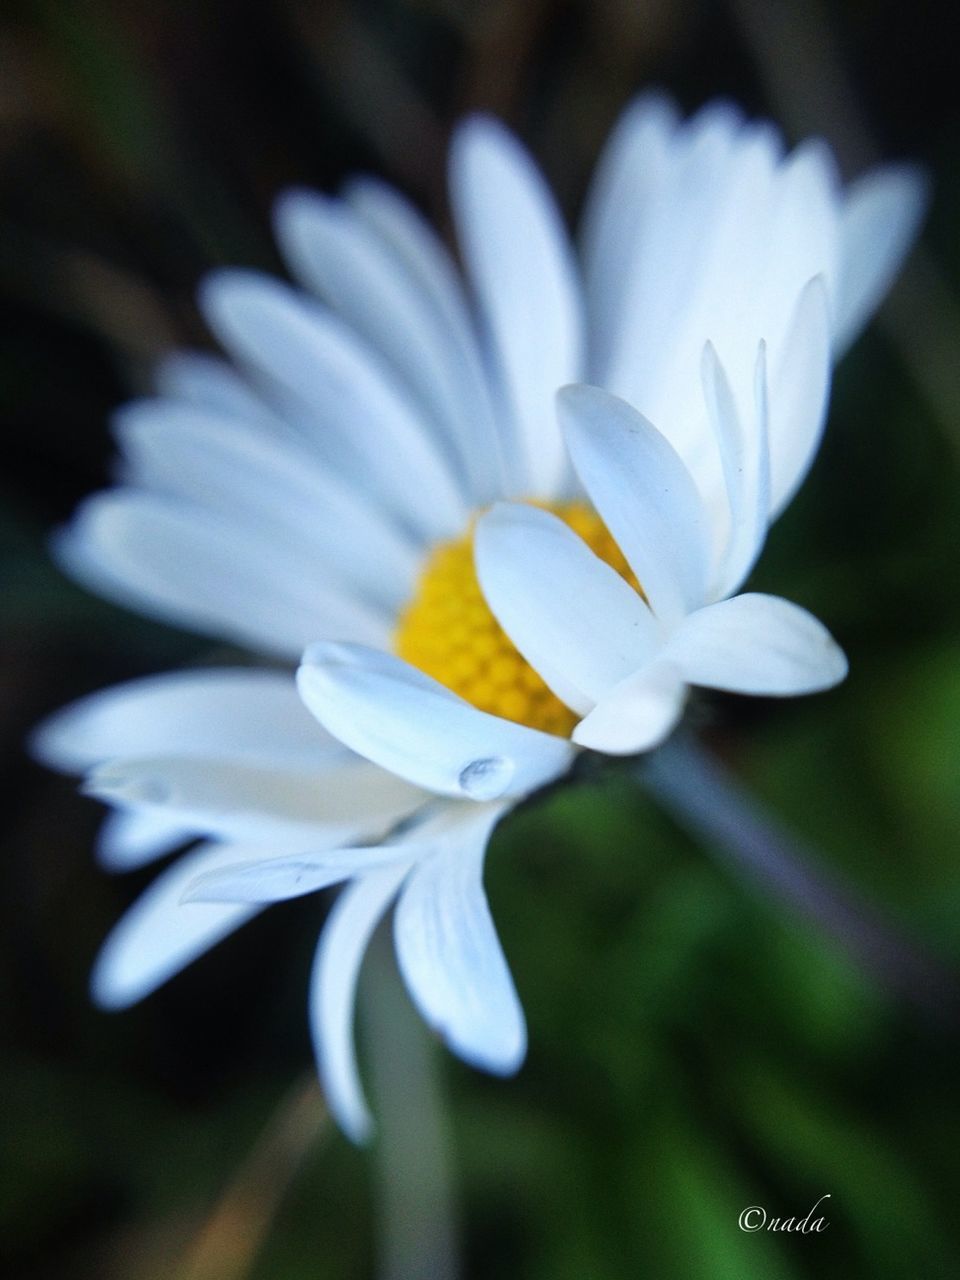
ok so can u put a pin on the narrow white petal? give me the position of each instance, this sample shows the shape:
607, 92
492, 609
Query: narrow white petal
130, 838
334, 250
644, 494
208, 382
801, 240
401, 719
881, 218
688, 269
224, 714
757, 644
627, 185
574, 619
159, 935
637, 714
292, 504
293, 875
243, 801
333, 986
745, 456
358, 416
799, 383
448, 950
523, 271
424, 255
431, 268
195, 569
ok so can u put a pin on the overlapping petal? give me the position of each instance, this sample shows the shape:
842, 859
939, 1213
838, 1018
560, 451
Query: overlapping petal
524, 275
179, 563
574, 619
159, 935
431, 269
278, 878
744, 447
799, 388
251, 801
703, 230
408, 723
294, 507
644, 494
448, 949
334, 250
637, 714
354, 412
130, 838
230, 713
333, 985
757, 644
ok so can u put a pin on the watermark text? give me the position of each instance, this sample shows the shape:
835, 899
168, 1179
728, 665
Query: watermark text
756, 1218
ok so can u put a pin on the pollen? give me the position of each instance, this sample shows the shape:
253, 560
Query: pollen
448, 631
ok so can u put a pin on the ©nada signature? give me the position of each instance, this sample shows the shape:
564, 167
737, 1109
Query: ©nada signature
756, 1218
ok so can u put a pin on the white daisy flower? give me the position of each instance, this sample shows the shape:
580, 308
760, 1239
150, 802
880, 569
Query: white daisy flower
324, 487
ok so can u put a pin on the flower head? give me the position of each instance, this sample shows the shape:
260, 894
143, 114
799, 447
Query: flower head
314, 492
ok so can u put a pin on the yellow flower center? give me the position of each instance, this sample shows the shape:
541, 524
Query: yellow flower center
448, 631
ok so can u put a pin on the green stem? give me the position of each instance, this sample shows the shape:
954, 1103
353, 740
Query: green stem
710, 805
415, 1203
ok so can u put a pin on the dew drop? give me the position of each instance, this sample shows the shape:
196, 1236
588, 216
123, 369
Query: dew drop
486, 779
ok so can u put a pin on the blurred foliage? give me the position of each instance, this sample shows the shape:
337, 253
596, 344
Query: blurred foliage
693, 1050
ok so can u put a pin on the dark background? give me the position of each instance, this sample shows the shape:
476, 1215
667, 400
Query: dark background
694, 1049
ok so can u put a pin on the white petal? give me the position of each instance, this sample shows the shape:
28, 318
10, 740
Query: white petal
293, 875
208, 382
333, 987
523, 272
406, 722
130, 838
728, 240
881, 218
574, 619
183, 565
159, 936
799, 394
293, 505
801, 240
636, 715
431, 268
757, 644
644, 494
357, 414
334, 250
253, 802
688, 267
627, 185
448, 950
745, 456
224, 714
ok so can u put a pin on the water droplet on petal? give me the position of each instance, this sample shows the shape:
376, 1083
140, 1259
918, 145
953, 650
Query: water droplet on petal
486, 779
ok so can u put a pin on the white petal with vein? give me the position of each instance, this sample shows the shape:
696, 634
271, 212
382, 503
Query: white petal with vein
393, 714
449, 952
574, 619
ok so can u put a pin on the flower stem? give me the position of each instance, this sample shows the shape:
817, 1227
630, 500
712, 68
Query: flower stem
710, 805
416, 1211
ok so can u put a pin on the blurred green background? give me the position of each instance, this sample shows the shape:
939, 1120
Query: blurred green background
694, 1049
